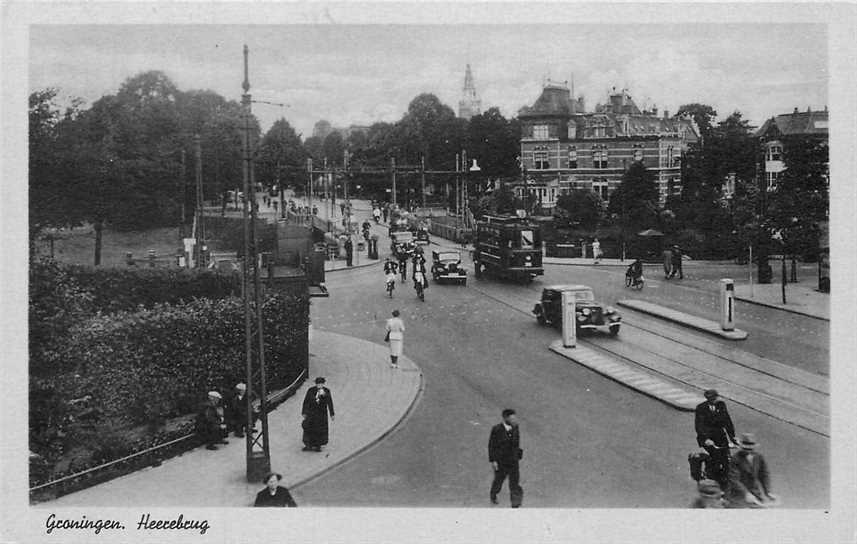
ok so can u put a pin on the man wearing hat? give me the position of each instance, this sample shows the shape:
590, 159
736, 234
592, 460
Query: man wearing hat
317, 404
236, 413
676, 262
749, 479
209, 422
710, 495
714, 433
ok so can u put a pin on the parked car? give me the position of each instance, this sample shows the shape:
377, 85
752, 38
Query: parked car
421, 235
446, 266
591, 314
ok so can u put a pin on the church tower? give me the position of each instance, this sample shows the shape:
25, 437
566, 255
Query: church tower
469, 105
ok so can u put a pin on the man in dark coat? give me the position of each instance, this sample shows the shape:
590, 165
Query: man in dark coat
676, 262
209, 422
317, 403
274, 494
349, 251
237, 411
714, 433
749, 477
504, 454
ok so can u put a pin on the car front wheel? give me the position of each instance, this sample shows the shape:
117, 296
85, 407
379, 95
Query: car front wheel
614, 330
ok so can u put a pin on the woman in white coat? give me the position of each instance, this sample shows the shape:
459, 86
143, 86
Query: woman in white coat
395, 336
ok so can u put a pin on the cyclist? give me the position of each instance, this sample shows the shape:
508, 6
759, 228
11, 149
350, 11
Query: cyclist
634, 274
390, 269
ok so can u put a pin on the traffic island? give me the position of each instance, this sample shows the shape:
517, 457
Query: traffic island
626, 374
681, 318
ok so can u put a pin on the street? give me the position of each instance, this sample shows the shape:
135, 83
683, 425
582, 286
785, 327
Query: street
588, 441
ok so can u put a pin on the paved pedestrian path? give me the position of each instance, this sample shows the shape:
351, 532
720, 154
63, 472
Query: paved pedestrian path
801, 298
688, 320
623, 372
580, 261
370, 399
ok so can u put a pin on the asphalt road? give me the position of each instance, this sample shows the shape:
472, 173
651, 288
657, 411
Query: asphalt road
588, 441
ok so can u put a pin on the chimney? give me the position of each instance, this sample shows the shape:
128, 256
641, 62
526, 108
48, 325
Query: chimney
666, 114
808, 109
795, 112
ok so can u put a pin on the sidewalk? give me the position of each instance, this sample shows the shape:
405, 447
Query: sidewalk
681, 318
580, 261
801, 298
356, 370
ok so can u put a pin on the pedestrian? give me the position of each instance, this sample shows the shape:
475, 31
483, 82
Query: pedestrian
349, 251
668, 262
276, 203
396, 337
318, 402
504, 454
402, 256
715, 433
314, 209
749, 477
710, 495
274, 494
596, 250
385, 211
676, 261
342, 209
210, 426
236, 412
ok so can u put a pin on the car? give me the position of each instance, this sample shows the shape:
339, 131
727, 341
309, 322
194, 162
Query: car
591, 314
399, 239
421, 235
446, 266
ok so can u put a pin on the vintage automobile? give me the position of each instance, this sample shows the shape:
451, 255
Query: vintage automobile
400, 239
446, 266
591, 315
421, 235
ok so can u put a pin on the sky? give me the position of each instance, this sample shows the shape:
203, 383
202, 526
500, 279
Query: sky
360, 74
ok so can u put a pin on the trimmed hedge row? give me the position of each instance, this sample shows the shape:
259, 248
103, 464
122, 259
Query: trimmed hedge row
122, 289
154, 364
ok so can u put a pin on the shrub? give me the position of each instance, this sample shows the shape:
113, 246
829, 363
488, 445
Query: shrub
153, 364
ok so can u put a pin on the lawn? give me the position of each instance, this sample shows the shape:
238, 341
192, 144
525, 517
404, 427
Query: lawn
77, 246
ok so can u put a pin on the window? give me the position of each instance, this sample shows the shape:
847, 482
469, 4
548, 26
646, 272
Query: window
775, 153
599, 132
540, 132
772, 180
599, 157
572, 157
670, 156
638, 154
540, 159
600, 187
527, 239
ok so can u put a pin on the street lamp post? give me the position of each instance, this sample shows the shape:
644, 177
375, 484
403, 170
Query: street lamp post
258, 462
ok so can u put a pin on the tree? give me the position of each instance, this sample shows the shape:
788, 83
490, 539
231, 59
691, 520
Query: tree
314, 147
579, 208
491, 140
333, 148
702, 115
500, 201
801, 199
635, 201
281, 156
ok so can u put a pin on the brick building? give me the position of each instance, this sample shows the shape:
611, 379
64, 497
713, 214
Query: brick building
564, 147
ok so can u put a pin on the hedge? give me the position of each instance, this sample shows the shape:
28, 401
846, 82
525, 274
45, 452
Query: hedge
227, 234
119, 289
154, 364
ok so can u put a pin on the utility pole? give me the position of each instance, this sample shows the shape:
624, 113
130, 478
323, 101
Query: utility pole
309, 185
423, 179
182, 185
457, 181
393, 168
200, 226
258, 461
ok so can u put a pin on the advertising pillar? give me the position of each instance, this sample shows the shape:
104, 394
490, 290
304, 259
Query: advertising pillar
727, 304
569, 320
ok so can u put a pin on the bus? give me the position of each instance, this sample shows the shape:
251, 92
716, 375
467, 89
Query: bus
508, 247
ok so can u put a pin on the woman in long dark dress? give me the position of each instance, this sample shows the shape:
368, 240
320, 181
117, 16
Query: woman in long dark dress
317, 403
274, 494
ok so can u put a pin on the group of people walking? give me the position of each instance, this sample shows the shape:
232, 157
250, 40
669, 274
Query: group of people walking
726, 480
217, 418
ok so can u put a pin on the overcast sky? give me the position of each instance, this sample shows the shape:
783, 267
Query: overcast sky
359, 74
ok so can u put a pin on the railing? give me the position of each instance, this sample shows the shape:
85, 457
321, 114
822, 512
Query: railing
273, 400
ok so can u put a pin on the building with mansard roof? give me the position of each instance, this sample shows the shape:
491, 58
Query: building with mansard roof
564, 147
770, 134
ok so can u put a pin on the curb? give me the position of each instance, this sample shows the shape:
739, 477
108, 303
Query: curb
356, 266
776, 307
680, 318
624, 373
553, 261
363, 449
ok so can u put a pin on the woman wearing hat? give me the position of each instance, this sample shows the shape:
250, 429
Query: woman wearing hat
274, 494
209, 422
317, 403
749, 479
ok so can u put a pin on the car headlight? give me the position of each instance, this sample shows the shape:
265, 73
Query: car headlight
609, 310
581, 318
585, 311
